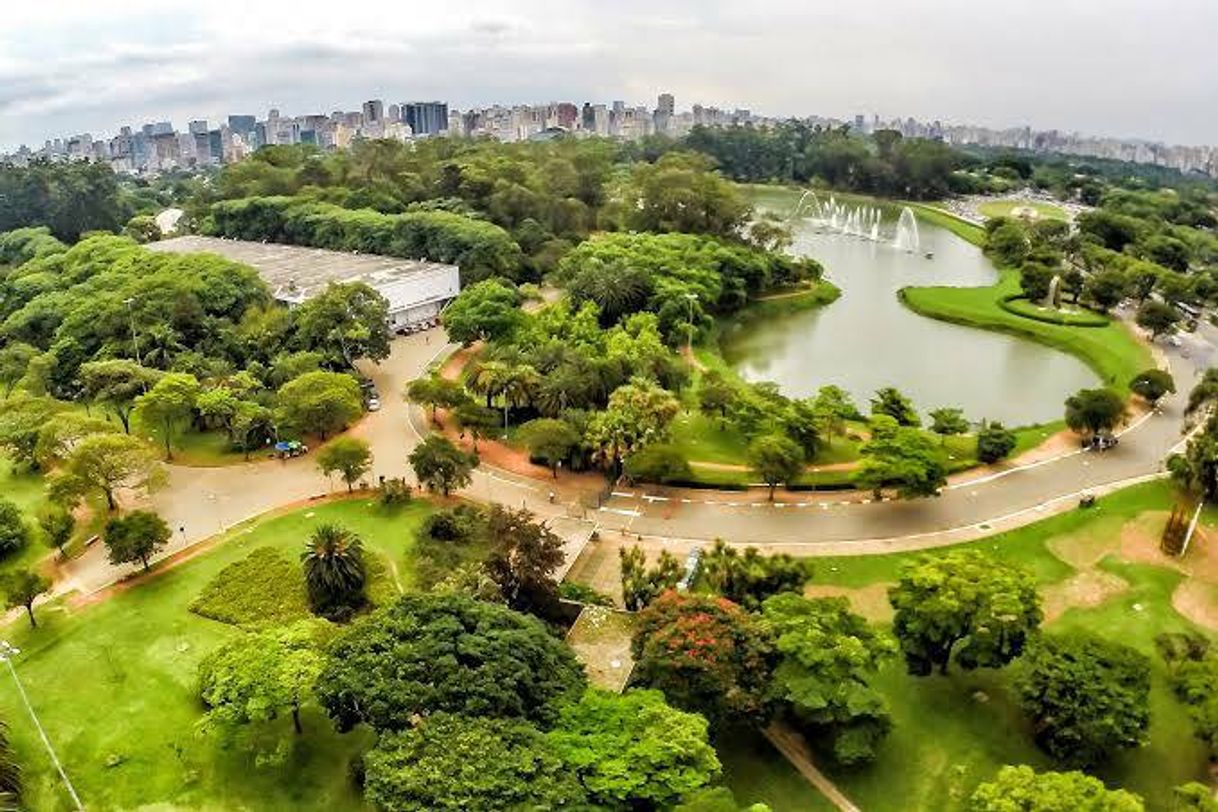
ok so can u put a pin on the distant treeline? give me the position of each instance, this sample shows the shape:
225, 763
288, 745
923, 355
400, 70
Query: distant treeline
480, 248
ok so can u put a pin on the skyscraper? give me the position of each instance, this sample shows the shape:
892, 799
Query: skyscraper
426, 118
665, 107
374, 111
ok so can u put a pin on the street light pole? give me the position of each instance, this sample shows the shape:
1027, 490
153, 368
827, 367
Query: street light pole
135, 340
7, 652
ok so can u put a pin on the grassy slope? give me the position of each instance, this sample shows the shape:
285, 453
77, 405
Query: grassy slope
118, 679
972, 738
1114, 354
1003, 208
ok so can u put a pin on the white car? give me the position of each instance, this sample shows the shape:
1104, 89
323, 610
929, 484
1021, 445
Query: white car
374, 404
1175, 341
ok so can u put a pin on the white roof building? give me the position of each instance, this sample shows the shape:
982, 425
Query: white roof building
416, 289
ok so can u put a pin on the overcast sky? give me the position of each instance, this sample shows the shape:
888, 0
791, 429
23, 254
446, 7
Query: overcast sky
1146, 68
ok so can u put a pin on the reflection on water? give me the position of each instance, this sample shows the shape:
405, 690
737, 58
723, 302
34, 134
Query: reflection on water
867, 339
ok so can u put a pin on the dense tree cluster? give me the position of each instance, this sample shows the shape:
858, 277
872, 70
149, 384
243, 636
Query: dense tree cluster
482, 249
69, 198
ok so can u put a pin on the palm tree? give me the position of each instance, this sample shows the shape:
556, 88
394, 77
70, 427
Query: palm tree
518, 387
10, 774
488, 378
334, 571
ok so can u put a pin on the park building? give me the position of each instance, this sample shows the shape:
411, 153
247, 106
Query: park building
417, 290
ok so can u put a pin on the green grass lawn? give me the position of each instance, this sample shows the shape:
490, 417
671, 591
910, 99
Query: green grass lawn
114, 684
1112, 351
757, 773
952, 732
28, 492
1005, 208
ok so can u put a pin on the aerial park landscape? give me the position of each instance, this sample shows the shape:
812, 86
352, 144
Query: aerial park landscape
778, 467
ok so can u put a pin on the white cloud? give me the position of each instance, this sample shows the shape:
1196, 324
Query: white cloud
1110, 66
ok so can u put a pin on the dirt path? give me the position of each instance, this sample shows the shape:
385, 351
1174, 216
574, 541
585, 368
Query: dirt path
795, 750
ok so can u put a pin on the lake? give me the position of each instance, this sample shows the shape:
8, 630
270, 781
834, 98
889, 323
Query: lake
867, 339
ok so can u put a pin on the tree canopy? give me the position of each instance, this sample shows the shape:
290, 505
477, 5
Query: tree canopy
1016, 789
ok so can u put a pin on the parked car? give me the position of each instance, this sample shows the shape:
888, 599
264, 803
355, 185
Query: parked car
374, 404
290, 448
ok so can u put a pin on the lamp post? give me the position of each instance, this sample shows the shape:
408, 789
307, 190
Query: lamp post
7, 653
134, 338
689, 337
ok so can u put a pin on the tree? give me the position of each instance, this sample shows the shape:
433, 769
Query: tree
319, 403
891, 402
1152, 385
486, 311
994, 442
1156, 317
436, 392
460, 763
828, 655
633, 750
14, 533
334, 570
252, 425
962, 605
259, 675
143, 228
659, 462
1022, 788
57, 527
15, 361
1193, 797
776, 459
1105, 288
351, 457
946, 422
135, 537
1091, 411
441, 466
168, 404
476, 420
715, 394
1087, 697
22, 588
902, 457
750, 578
104, 463
549, 440
640, 585
833, 408
715, 799
524, 556
638, 413
346, 321
679, 193
428, 654
706, 654
1197, 468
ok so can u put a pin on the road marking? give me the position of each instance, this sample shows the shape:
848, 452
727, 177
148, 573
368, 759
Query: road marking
621, 512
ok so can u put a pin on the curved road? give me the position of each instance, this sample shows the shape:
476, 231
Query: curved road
199, 502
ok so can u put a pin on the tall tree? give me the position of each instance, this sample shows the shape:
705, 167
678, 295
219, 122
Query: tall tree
22, 588
135, 537
549, 440
642, 585
104, 463
1022, 788
334, 569
257, 676
947, 421
14, 532
1152, 385
350, 457
485, 311
828, 656
441, 466
776, 459
457, 763
707, 655
1091, 411
57, 527
891, 402
168, 405
1157, 317
524, 557
319, 403
15, 361
1087, 697
749, 578
427, 654
115, 384
902, 457
634, 750
965, 606
346, 321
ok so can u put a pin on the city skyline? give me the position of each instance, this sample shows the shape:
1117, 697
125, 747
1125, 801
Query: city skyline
1136, 73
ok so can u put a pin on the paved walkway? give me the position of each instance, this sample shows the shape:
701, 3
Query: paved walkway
199, 502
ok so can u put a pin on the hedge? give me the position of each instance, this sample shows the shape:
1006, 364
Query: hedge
1021, 306
480, 248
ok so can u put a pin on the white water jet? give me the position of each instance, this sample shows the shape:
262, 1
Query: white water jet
907, 238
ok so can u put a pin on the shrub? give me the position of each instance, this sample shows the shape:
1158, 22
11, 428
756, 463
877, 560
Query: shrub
262, 589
